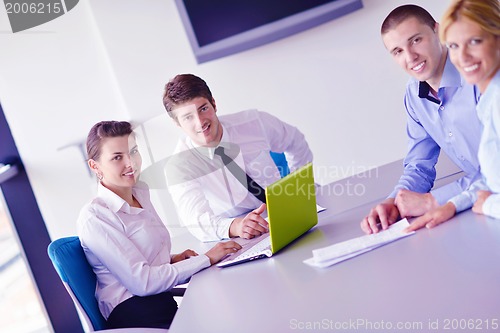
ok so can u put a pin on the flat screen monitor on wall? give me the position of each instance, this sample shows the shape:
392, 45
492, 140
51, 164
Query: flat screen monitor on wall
218, 28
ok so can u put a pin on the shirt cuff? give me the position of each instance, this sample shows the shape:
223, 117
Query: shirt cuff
224, 225
463, 201
186, 268
446, 192
491, 206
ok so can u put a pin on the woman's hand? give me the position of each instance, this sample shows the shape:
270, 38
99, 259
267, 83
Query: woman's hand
433, 217
222, 249
182, 256
481, 198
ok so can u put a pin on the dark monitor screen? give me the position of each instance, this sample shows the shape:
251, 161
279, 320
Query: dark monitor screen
219, 19
217, 28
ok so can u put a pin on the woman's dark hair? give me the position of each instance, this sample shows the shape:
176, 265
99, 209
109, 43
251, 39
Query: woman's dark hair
102, 130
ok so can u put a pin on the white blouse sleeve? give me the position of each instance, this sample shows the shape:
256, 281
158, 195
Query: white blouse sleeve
108, 247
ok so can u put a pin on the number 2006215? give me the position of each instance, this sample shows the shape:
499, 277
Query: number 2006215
470, 324
33, 8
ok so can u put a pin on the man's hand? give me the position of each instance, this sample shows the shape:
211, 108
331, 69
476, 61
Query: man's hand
250, 226
481, 198
412, 204
222, 249
385, 214
182, 256
434, 217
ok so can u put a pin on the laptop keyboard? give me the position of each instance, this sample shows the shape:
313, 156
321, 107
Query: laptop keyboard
263, 245
251, 249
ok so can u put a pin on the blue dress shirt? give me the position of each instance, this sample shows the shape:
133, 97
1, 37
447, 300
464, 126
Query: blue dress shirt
448, 122
488, 110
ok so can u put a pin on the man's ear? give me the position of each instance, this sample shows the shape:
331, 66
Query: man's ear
436, 27
214, 105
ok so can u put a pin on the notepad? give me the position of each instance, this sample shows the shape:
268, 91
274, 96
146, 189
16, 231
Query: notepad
339, 252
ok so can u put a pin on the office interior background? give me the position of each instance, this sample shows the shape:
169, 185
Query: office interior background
110, 59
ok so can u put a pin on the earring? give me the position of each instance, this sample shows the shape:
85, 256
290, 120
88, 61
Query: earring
100, 176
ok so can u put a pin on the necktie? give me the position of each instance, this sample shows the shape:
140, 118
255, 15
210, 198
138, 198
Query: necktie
241, 175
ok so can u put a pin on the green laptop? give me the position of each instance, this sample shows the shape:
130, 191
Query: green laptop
292, 211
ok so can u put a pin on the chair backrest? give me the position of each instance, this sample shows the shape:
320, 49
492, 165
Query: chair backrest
79, 279
281, 163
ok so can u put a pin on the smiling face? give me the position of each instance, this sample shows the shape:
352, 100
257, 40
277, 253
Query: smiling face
416, 48
475, 52
119, 163
198, 119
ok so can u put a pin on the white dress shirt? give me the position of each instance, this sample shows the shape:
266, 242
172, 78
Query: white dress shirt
129, 249
207, 195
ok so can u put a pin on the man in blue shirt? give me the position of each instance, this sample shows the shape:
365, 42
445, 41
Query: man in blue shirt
441, 115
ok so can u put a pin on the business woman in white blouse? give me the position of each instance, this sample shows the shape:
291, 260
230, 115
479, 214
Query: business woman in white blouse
125, 241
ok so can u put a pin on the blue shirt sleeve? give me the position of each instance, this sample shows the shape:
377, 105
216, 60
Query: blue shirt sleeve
419, 164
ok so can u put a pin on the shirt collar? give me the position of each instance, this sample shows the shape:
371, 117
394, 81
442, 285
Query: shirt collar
114, 201
488, 95
451, 78
424, 91
210, 151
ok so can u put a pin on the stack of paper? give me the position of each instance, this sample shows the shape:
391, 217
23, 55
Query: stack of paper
336, 253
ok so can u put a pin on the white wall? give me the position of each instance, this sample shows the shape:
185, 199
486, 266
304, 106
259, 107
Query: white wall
109, 59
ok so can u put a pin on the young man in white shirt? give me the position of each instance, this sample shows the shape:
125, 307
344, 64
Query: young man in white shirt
211, 201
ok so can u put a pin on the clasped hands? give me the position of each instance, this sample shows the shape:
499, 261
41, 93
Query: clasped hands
437, 215
411, 204
407, 204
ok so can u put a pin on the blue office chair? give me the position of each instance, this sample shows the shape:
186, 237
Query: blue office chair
79, 279
281, 163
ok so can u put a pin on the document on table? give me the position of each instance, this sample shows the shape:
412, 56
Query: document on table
319, 208
336, 253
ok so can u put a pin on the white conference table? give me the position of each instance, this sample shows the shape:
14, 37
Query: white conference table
446, 278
